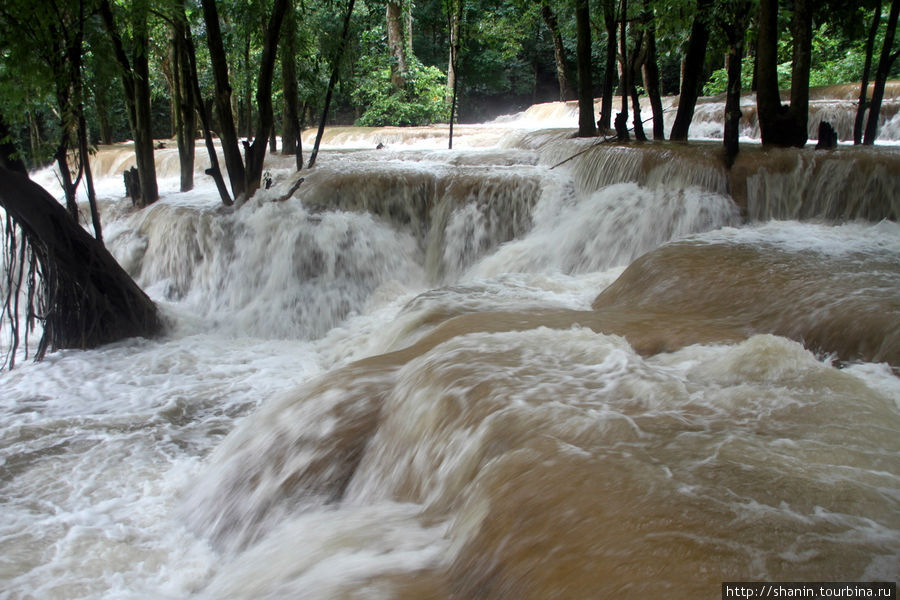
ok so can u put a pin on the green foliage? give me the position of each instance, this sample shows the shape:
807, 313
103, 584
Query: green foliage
838, 56
420, 102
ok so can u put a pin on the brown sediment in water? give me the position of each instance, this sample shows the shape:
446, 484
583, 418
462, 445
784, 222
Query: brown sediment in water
845, 307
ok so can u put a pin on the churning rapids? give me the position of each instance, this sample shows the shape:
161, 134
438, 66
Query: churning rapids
485, 373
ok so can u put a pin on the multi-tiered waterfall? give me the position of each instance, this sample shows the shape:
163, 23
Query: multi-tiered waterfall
530, 367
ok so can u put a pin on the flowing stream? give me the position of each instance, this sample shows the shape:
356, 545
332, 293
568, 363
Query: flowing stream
531, 367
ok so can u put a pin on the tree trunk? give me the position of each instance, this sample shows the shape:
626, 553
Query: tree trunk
625, 80
88, 175
455, 16
777, 125
257, 151
136, 85
867, 70
586, 125
692, 80
227, 132
200, 106
559, 52
290, 128
651, 74
768, 98
609, 75
245, 121
396, 43
637, 59
143, 126
881, 74
185, 115
331, 83
801, 27
65, 176
87, 298
454, 19
735, 33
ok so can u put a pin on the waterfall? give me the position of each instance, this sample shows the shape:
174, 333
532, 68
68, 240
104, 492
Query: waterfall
530, 367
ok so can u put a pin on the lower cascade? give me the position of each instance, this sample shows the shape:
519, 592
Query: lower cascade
531, 367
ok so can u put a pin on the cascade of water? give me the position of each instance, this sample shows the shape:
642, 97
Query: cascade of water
618, 389
270, 269
842, 184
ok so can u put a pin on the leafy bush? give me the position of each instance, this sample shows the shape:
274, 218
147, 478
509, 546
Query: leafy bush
421, 102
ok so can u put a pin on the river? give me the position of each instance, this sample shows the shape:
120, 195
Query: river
531, 367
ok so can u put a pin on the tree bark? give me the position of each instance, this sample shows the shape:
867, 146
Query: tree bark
396, 42
801, 27
559, 52
637, 59
136, 84
586, 125
768, 98
609, 74
87, 298
257, 150
290, 128
185, 115
692, 80
88, 175
867, 71
778, 125
735, 33
200, 106
454, 20
651, 74
455, 15
888, 56
625, 79
227, 132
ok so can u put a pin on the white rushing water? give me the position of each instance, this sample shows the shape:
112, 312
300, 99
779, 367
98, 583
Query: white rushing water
394, 385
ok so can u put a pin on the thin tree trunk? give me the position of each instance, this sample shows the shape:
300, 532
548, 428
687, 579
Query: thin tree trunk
693, 67
290, 128
257, 151
637, 59
586, 125
246, 126
455, 17
867, 70
735, 33
625, 80
609, 76
802, 61
559, 52
881, 74
768, 98
136, 84
88, 175
331, 83
651, 74
185, 115
62, 163
214, 170
227, 132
